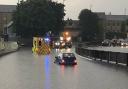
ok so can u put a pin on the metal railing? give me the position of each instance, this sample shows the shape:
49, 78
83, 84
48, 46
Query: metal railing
9, 45
109, 56
2, 44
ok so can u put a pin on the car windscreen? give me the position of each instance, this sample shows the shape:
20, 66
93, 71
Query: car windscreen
68, 55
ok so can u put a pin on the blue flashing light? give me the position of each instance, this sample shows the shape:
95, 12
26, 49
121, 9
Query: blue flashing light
47, 39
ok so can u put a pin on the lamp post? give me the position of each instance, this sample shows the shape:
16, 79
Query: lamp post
5, 24
63, 8
63, 1
5, 32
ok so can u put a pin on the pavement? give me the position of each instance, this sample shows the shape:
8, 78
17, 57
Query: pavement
9, 47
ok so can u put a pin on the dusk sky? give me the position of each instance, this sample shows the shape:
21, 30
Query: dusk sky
73, 7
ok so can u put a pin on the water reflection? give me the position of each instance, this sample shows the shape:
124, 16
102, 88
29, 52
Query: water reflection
68, 50
72, 68
47, 67
57, 50
63, 50
62, 69
75, 68
35, 56
124, 46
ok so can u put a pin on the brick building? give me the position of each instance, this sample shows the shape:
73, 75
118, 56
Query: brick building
6, 12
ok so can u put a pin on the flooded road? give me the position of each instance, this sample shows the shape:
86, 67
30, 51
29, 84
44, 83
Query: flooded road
25, 70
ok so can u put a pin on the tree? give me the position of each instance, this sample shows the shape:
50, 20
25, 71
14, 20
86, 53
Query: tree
36, 17
69, 22
89, 23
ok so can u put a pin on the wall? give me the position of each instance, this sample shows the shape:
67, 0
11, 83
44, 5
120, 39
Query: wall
5, 18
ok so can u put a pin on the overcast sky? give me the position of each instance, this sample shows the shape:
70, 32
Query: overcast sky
73, 7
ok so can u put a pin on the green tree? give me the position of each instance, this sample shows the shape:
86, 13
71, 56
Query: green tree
36, 17
89, 23
69, 22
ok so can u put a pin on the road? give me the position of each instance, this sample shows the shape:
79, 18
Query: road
25, 70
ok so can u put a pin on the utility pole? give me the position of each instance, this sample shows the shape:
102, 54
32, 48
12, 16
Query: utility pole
18, 1
125, 11
63, 9
90, 6
63, 1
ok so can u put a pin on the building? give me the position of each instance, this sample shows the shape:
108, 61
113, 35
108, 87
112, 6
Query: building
108, 23
115, 23
72, 26
6, 12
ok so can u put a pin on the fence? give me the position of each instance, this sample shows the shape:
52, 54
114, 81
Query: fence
2, 44
108, 55
8, 45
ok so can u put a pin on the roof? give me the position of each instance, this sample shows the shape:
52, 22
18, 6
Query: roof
7, 8
117, 17
101, 15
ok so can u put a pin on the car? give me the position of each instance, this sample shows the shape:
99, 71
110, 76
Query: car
68, 44
124, 43
106, 42
57, 44
66, 58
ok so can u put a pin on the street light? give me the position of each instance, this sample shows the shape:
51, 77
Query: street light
66, 33
5, 25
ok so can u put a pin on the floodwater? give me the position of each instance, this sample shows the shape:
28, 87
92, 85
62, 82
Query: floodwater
25, 70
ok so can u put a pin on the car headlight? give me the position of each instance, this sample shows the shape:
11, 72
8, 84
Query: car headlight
55, 43
69, 38
58, 43
61, 38
63, 44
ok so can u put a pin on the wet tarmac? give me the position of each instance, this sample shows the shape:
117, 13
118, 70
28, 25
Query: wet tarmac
25, 70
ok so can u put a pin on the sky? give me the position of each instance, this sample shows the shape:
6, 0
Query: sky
74, 7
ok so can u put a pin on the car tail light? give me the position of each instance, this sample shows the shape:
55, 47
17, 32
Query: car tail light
75, 61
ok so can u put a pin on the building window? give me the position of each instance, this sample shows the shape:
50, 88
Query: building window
108, 24
118, 23
114, 24
127, 23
